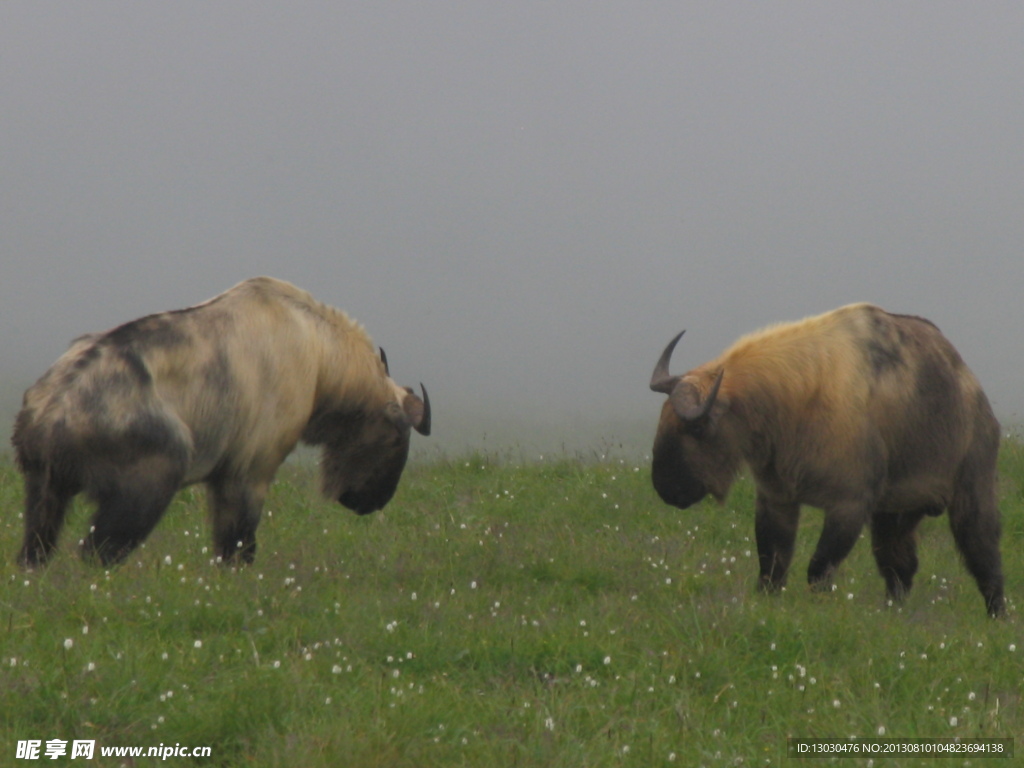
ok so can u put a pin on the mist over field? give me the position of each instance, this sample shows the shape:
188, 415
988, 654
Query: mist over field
522, 202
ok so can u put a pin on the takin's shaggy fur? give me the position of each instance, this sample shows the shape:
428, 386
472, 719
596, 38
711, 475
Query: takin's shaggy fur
218, 393
870, 416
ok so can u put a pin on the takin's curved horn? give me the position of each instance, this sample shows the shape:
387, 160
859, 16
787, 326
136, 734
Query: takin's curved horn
687, 402
418, 411
384, 359
661, 380
424, 426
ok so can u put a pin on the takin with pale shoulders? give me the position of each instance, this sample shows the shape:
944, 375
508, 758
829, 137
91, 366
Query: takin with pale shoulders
870, 416
218, 393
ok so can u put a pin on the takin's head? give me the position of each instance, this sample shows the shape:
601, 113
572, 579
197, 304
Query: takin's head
692, 455
366, 450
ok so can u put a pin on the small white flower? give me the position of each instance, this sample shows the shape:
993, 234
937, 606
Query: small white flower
607, 659
953, 721
197, 644
68, 643
881, 730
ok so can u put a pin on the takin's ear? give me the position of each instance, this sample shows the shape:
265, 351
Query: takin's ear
690, 404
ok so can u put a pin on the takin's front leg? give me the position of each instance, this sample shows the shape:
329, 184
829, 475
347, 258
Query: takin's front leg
775, 525
236, 505
843, 524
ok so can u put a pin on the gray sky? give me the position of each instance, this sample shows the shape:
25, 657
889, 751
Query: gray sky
521, 201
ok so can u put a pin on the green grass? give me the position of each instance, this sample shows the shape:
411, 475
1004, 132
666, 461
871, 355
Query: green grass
498, 613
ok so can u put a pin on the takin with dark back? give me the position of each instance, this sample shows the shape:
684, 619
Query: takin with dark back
869, 416
218, 393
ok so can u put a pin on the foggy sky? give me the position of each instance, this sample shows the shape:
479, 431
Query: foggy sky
521, 201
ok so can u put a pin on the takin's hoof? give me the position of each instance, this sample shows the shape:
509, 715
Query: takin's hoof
822, 585
996, 606
770, 586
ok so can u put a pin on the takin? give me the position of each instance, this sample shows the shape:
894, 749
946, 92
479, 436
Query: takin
218, 393
872, 417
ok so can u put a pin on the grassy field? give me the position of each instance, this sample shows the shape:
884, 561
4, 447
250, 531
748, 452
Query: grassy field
500, 612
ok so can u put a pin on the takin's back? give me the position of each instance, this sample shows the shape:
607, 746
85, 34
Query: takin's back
857, 385
237, 375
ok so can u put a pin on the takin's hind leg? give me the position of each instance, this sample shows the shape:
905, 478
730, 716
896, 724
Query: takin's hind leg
236, 506
974, 520
129, 506
894, 544
46, 503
